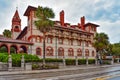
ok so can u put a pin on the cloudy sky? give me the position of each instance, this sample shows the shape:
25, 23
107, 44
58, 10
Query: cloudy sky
106, 13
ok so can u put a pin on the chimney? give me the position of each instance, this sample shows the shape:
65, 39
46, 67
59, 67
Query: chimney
62, 18
82, 22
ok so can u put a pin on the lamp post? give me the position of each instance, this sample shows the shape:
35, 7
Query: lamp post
83, 49
56, 47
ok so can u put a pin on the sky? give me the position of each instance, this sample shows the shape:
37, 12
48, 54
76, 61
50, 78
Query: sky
105, 13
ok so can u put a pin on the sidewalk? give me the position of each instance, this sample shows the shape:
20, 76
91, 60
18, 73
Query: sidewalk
54, 70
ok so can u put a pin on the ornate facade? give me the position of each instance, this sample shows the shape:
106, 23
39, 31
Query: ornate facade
64, 40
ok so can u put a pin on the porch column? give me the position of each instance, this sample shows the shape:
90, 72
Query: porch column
8, 50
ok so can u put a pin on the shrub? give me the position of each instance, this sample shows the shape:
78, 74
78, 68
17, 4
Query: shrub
91, 61
53, 60
81, 61
3, 57
16, 58
35, 66
70, 61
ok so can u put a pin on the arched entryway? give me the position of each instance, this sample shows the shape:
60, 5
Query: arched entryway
13, 49
23, 49
3, 48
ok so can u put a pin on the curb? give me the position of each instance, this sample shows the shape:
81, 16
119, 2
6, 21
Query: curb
54, 70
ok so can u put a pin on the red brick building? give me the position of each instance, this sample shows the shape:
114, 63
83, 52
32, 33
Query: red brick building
64, 40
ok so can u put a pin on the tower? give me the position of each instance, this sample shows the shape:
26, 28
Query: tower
16, 25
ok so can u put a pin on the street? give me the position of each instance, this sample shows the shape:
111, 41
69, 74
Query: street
79, 73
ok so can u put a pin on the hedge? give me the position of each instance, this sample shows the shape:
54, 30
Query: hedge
16, 58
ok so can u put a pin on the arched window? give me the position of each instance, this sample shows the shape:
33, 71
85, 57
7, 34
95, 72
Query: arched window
16, 27
79, 52
38, 51
70, 52
93, 53
49, 51
60, 51
86, 52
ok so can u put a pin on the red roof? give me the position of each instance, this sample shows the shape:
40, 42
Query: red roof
16, 16
91, 24
9, 40
29, 9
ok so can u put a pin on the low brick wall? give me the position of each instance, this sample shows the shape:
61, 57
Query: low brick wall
3, 66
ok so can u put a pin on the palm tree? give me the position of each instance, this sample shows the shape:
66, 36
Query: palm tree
43, 23
7, 33
101, 43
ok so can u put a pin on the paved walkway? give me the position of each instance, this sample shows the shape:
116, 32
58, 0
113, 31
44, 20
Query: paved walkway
54, 70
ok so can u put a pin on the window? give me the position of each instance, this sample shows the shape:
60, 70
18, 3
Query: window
60, 41
49, 40
86, 52
60, 51
87, 43
93, 53
49, 51
38, 51
79, 43
70, 52
79, 52
70, 42
38, 39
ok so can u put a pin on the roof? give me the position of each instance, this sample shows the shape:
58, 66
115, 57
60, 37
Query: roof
72, 29
91, 24
23, 32
9, 40
16, 16
29, 9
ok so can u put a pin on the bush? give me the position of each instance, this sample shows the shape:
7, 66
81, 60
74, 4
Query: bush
70, 61
48, 66
3, 57
35, 66
16, 58
81, 61
53, 60
91, 61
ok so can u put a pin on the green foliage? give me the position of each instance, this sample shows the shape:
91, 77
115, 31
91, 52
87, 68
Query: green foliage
51, 66
3, 57
3, 49
116, 49
101, 42
44, 14
91, 61
53, 60
81, 61
16, 58
70, 61
7, 33
35, 66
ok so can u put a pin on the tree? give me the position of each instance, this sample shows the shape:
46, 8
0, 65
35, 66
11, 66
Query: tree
101, 43
44, 24
116, 49
7, 33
